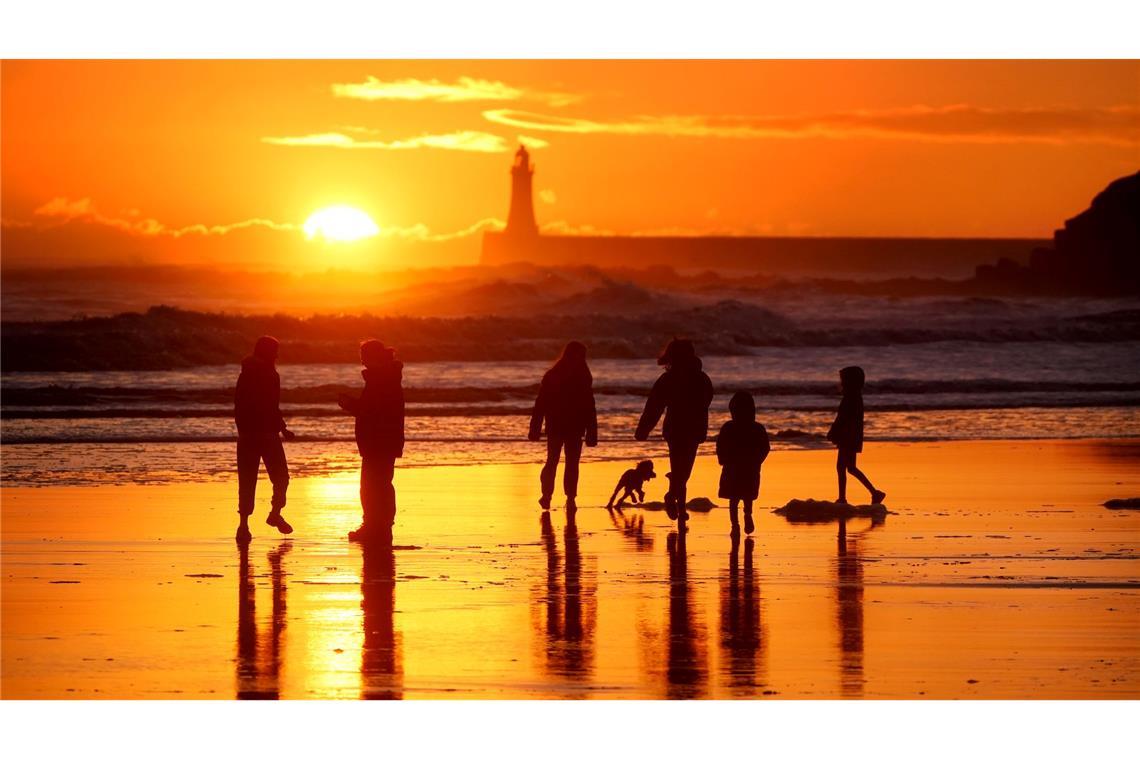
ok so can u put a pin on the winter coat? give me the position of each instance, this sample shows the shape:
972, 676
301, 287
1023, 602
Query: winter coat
684, 393
847, 430
257, 399
379, 412
566, 404
741, 448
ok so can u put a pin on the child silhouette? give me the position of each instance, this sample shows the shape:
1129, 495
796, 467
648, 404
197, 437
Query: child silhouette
847, 433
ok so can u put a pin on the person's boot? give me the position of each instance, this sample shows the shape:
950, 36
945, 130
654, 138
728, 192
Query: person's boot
277, 521
544, 502
571, 504
734, 530
361, 534
243, 536
878, 496
749, 526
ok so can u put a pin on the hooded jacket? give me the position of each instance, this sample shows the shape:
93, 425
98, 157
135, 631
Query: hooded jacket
684, 393
847, 430
257, 399
379, 412
566, 403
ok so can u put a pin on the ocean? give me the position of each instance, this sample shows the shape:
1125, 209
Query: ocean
176, 425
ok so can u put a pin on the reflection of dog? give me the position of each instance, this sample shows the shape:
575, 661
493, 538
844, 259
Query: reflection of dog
633, 481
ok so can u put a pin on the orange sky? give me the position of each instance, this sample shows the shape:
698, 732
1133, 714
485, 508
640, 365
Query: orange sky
111, 162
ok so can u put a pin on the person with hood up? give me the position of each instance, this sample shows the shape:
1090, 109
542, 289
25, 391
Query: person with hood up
741, 448
379, 413
683, 393
566, 404
847, 433
257, 413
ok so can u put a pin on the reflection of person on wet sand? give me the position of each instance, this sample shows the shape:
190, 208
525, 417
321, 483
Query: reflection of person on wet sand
381, 662
257, 414
569, 624
259, 662
683, 393
566, 404
741, 635
686, 672
379, 429
849, 614
847, 433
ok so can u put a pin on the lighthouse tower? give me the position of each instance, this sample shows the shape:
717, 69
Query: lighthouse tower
520, 220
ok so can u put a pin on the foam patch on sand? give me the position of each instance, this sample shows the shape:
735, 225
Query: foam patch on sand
810, 510
699, 504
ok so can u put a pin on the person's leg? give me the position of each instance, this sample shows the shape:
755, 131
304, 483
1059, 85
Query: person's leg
573, 448
732, 515
841, 471
851, 468
550, 469
681, 459
273, 452
248, 464
369, 492
386, 503
749, 526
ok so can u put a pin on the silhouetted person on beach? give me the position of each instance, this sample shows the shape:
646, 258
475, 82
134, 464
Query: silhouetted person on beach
683, 393
847, 433
566, 403
379, 413
257, 412
741, 448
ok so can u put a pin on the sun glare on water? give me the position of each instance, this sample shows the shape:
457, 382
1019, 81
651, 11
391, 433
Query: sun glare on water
340, 224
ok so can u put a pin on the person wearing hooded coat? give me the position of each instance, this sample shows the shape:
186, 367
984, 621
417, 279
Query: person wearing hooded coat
379, 429
741, 448
566, 404
847, 433
683, 393
260, 425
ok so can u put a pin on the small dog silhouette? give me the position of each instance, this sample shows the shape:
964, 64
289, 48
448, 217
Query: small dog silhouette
633, 483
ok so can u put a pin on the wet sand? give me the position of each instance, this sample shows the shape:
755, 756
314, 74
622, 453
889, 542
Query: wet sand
998, 574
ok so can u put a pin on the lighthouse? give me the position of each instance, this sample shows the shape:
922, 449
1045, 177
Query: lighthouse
520, 220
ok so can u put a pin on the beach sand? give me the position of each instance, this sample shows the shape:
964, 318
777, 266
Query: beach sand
998, 574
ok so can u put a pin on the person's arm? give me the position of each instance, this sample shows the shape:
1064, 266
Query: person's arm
400, 414
765, 446
592, 421
654, 408
721, 446
835, 433
538, 413
349, 404
282, 428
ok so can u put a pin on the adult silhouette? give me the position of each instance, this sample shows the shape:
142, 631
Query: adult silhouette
566, 404
259, 658
379, 429
381, 659
260, 425
683, 393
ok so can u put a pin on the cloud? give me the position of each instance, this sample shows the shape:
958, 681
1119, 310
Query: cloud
957, 123
83, 210
466, 140
465, 89
66, 210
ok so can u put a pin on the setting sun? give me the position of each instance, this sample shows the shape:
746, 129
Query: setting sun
340, 224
